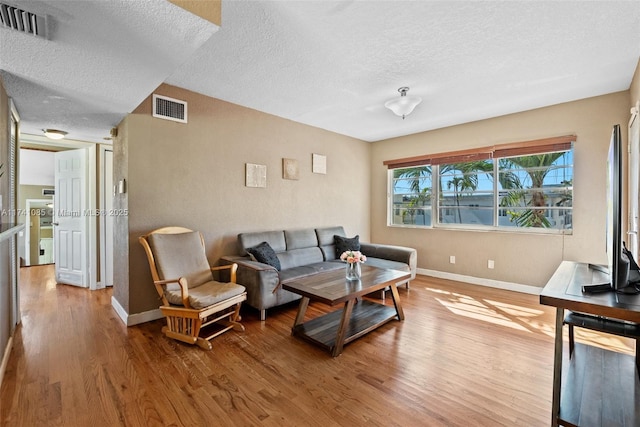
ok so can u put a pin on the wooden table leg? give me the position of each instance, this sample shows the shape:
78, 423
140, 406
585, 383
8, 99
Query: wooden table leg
557, 368
302, 309
396, 301
342, 329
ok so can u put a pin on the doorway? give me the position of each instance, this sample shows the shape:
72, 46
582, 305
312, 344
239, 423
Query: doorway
99, 193
39, 232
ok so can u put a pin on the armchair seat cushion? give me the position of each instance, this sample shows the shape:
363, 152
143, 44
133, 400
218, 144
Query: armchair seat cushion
206, 295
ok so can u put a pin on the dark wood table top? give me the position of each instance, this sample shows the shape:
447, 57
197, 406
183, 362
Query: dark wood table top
333, 288
564, 290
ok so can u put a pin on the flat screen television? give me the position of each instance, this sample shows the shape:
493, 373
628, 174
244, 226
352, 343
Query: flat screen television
618, 262
621, 279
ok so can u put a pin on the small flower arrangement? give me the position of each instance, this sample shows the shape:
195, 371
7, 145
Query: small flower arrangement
353, 257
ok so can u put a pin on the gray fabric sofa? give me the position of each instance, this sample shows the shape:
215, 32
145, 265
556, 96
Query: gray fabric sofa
303, 252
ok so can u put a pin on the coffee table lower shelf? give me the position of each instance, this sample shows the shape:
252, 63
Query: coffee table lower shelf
365, 317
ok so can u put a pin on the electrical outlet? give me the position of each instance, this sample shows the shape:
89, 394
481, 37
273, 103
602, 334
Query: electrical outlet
490, 264
452, 259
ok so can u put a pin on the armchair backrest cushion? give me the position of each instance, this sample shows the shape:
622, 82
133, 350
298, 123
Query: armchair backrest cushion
180, 255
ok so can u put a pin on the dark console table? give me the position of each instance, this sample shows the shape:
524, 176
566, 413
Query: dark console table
598, 387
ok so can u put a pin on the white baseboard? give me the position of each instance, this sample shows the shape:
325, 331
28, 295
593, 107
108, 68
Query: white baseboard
509, 286
137, 318
5, 358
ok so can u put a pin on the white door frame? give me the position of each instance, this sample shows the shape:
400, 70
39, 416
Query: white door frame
14, 123
27, 228
91, 183
106, 192
92, 228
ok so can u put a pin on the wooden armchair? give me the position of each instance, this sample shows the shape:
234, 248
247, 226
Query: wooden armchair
192, 301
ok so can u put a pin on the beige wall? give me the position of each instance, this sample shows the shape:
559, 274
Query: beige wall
522, 258
194, 175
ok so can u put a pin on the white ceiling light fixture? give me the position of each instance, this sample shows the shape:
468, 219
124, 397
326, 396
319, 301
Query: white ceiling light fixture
54, 133
403, 105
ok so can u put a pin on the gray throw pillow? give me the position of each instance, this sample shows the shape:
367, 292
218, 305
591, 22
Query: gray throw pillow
346, 244
264, 253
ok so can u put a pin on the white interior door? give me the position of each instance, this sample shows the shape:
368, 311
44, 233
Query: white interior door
634, 177
71, 215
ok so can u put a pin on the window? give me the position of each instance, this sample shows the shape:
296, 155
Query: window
412, 196
466, 193
521, 186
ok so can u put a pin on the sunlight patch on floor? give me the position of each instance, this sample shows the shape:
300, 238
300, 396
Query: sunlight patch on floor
515, 310
605, 341
464, 305
485, 314
525, 319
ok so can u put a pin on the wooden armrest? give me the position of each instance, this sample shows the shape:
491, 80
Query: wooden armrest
184, 288
164, 282
233, 269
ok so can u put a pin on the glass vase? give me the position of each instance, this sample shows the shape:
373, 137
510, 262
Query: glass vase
353, 271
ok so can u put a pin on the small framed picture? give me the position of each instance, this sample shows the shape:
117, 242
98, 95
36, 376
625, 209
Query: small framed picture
290, 169
256, 175
319, 163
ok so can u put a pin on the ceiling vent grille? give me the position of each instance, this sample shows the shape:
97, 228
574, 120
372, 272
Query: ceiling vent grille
23, 21
169, 109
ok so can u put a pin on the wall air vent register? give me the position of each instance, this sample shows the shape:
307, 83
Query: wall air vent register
169, 109
17, 19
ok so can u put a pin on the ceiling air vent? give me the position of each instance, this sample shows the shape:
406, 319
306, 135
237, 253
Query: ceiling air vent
20, 20
169, 109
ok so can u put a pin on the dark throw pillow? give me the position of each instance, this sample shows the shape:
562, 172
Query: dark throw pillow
264, 253
346, 244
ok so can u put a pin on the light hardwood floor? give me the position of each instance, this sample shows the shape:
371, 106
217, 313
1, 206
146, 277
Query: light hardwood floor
464, 356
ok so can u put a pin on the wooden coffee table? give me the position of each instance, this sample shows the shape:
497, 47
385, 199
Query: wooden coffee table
333, 330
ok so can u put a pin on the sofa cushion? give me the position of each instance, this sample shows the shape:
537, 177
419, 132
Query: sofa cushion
274, 238
346, 244
298, 257
326, 235
264, 253
326, 241
300, 239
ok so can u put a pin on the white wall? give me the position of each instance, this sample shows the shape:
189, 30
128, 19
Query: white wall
36, 167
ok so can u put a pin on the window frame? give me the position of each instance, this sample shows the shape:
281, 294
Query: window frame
495, 153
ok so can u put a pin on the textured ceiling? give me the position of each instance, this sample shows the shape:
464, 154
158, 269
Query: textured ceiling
101, 59
324, 63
